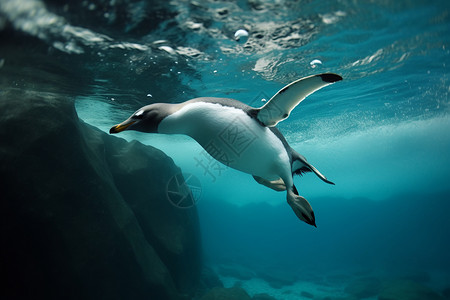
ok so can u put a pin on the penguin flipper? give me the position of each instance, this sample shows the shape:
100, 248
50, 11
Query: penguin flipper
277, 185
285, 100
300, 165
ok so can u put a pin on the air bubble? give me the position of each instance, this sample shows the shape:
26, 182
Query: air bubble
241, 36
314, 63
167, 49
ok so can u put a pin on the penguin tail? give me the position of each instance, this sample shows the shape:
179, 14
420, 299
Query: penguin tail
301, 166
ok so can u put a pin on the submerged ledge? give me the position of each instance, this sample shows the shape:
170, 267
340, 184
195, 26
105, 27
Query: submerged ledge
84, 214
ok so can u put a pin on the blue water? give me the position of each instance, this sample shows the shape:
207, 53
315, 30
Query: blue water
381, 134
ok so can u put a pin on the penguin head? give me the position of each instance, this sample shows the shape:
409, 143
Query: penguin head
145, 119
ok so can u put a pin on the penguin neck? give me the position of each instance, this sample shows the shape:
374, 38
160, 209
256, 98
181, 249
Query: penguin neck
181, 120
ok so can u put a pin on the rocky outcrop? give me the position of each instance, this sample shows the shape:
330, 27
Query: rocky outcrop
85, 215
233, 293
208, 280
263, 296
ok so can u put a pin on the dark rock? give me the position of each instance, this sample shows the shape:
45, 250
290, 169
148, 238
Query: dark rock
234, 293
308, 295
363, 287
263, 296
84, 214
208, 280
172, 231
407, 290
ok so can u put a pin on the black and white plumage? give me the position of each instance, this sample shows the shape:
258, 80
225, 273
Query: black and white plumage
240, 136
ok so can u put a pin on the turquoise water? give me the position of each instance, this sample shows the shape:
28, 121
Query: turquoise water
381, 134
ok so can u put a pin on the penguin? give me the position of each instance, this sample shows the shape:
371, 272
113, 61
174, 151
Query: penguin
240, 136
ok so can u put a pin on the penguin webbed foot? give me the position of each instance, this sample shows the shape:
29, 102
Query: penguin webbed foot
302, 209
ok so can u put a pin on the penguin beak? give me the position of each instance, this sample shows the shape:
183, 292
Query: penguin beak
121, 127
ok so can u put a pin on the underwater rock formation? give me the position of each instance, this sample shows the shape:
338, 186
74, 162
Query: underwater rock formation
233, 293
208, 280
85, 215
263, 296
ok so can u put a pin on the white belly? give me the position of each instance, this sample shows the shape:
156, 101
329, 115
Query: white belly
231, 137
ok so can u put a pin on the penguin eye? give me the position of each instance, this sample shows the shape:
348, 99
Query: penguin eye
139, 114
